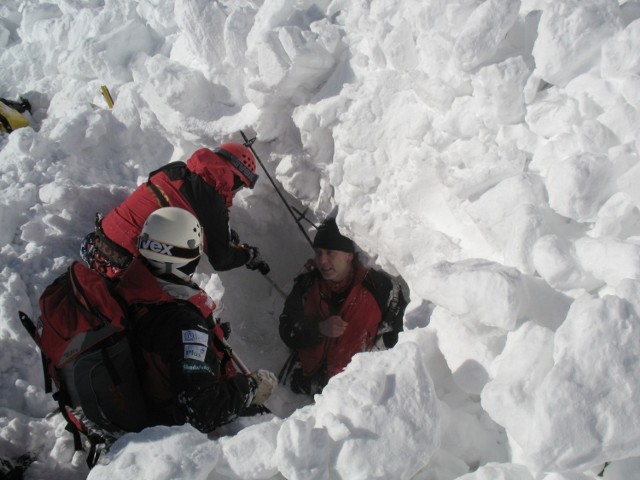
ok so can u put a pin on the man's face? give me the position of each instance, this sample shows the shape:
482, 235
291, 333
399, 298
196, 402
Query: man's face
334, 265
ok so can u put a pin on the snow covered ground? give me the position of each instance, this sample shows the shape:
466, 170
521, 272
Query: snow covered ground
486, 151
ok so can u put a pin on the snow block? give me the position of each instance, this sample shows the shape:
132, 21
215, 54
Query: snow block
570, 34
508, 398
511, 215
622, 259
483, 31
586, 408
620, 53
499, 89
499, 471
555, 260
579, 185
250, 453
158, 452
497, 299
468, 346
379, 396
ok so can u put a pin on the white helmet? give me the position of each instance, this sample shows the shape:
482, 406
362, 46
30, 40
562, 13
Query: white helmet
171, 239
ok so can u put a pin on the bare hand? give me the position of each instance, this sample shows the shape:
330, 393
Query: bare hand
333, 326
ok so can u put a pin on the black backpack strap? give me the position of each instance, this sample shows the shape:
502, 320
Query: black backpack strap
5, 123
71, 427
94, 440
221, 346
22, 106
31, 330
27, 324
48, 382
111, 369
174, 171
161, 197
94, 453
224, 348
283, 376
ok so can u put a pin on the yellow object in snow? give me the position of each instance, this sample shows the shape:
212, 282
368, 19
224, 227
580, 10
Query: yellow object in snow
11, 119
107, 95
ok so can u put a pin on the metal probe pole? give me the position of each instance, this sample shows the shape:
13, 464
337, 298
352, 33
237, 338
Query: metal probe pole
249, 143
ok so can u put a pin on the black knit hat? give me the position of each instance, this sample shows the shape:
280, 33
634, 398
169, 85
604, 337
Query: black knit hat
330, 238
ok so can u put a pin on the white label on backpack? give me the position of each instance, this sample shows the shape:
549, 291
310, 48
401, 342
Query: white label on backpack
195, 352
195, 336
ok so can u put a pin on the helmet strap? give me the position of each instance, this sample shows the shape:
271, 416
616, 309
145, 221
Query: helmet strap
188, 269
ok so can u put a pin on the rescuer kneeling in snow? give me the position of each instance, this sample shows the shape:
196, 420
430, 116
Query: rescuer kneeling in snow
187, 372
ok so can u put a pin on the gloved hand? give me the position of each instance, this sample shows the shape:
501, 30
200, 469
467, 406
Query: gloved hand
333, 326
255, 261
266, 384
226, 328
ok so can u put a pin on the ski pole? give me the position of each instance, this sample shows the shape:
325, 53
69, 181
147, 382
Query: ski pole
275, 285
263, 267
302, 216
236, 359
249, 143
286, 368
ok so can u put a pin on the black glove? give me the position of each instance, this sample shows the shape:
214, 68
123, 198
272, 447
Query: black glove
226, 330
256, 262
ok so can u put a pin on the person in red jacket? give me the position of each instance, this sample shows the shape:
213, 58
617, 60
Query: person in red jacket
185, 366
205, 186
337, 308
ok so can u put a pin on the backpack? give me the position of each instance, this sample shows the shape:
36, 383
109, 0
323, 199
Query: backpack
82, 335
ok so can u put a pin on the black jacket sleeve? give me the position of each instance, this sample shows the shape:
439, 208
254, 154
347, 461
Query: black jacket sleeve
392, 303
213, 215
177, 333
298, 330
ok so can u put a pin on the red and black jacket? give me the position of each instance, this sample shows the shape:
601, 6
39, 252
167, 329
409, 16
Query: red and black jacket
185, 373
203, 187
368, 306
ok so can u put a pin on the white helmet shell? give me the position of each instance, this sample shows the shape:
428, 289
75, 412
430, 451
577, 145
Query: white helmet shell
171, 235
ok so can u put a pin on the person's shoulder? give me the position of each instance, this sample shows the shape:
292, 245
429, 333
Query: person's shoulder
306, 278
378, 280
308, 272
173, 170
177, 314
202, 155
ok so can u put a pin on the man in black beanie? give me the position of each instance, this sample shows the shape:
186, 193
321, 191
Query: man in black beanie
337, 308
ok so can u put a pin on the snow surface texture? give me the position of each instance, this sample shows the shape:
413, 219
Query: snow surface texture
486, 151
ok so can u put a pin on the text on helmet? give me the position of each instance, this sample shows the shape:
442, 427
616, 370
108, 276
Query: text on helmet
154, 246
